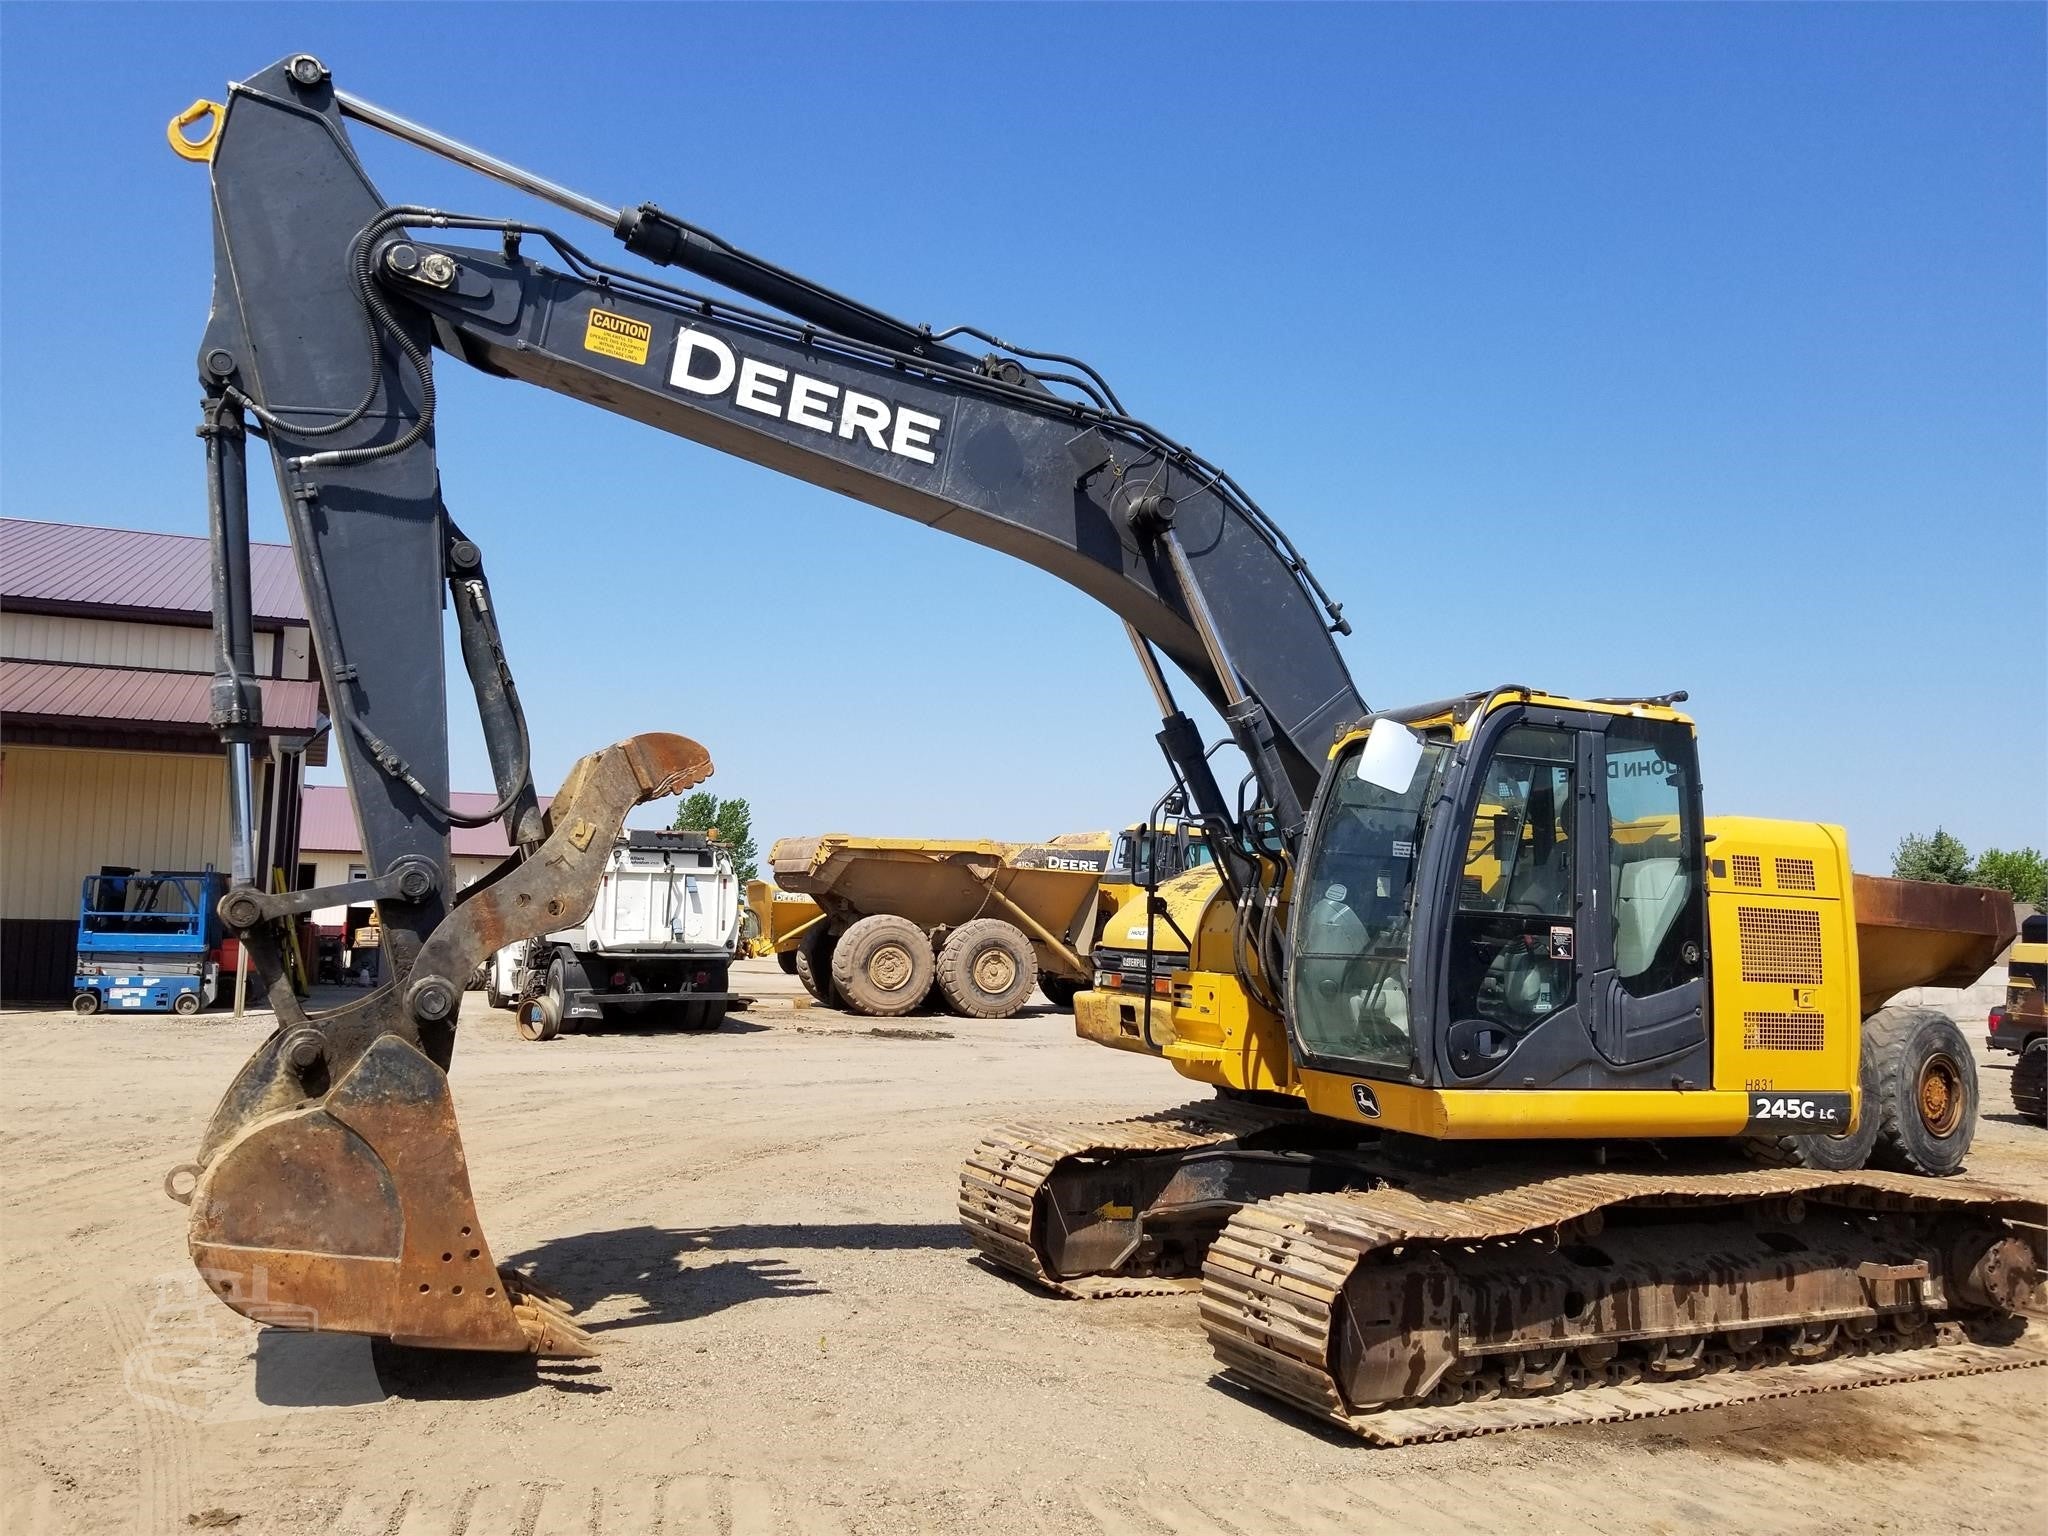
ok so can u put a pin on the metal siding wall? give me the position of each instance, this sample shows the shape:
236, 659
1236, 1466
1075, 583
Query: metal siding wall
117, 643
64, 813
330, 868
298, 653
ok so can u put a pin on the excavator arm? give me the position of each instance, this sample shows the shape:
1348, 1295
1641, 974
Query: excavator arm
324, 1182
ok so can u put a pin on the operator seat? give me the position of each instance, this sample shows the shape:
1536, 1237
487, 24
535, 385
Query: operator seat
1648, 896
1374, 998
1542, 884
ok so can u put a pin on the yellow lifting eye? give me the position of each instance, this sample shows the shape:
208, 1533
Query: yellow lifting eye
202, 147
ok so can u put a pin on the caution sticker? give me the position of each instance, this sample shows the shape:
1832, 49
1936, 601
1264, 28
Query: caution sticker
617, 336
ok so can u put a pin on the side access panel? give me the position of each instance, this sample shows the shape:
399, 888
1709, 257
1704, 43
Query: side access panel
1785, 993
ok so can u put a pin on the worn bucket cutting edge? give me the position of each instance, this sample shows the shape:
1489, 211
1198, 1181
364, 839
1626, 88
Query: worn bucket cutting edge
354, 1215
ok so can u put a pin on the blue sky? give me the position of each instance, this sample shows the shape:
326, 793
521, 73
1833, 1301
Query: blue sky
1613, 349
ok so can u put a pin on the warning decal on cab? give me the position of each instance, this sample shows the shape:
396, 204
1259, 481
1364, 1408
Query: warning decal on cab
617, 336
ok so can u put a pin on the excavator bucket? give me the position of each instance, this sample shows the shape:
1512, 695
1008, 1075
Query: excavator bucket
354, 1215
331, 1191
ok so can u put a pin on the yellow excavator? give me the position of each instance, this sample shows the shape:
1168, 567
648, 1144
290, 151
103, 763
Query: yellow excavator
1480, 1147
1564, 1102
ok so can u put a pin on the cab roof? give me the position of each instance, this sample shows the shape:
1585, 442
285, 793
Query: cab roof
1463, 713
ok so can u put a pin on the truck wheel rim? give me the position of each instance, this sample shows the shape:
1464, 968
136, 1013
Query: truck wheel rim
1940, 1094
995, 970
889, 967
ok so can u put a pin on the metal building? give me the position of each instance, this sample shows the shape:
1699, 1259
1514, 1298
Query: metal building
331, 851
106, 759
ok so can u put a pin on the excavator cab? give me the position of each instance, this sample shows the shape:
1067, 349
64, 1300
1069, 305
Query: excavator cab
1520, 904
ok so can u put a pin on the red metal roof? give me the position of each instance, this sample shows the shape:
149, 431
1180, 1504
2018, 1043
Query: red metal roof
57, 690
121, 568
327, 823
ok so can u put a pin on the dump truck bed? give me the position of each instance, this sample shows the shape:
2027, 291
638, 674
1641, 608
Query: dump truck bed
1919, 933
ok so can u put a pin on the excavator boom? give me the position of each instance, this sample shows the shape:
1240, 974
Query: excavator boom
330, 1188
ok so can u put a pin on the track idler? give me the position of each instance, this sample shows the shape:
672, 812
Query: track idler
331, 1191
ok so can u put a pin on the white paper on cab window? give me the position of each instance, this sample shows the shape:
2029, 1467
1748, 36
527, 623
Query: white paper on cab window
1390, 755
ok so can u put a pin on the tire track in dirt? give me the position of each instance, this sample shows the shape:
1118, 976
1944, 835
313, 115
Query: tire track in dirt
163, 1463
682, 1505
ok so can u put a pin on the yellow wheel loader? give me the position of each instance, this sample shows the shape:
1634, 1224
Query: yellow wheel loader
1492, 1017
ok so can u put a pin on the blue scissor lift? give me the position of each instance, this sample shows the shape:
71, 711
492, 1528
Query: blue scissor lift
148, 942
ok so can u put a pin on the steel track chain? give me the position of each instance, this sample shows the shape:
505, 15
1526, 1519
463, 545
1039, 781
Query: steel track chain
1274, 1280
1007, 1174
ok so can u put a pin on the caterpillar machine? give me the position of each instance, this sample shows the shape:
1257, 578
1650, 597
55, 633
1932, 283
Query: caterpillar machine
1467, 1163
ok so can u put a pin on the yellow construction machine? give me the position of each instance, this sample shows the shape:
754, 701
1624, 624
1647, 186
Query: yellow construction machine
777, 921
980, 921
1540, 1097
1535, 1096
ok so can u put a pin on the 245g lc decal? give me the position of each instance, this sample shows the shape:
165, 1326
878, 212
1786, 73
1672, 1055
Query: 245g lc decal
1801, 1111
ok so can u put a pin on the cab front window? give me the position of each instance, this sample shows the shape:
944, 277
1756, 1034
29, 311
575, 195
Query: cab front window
1354, 910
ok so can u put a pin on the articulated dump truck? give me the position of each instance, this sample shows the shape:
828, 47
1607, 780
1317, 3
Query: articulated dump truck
982, 921
1551, 1120
986, 922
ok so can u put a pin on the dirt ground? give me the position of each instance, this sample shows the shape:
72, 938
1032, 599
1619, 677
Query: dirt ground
759, 1225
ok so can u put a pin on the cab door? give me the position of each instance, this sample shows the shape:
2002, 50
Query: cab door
1573, 934
1647, 955
1521, 894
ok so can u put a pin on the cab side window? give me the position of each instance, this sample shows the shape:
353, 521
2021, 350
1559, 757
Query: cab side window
1656, 913
1516, 893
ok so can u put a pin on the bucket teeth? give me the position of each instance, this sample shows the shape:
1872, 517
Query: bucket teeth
543, 1316
524, 1287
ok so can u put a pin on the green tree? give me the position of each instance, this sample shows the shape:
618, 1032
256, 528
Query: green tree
732, 820
1941, 858
2022, 872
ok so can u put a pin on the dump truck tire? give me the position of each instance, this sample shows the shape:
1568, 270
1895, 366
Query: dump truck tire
987, 969
883, 966
1059, 991
1926, 1090
1830, 1154
2030, 1082
814, 965
700, 1018
786, 958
